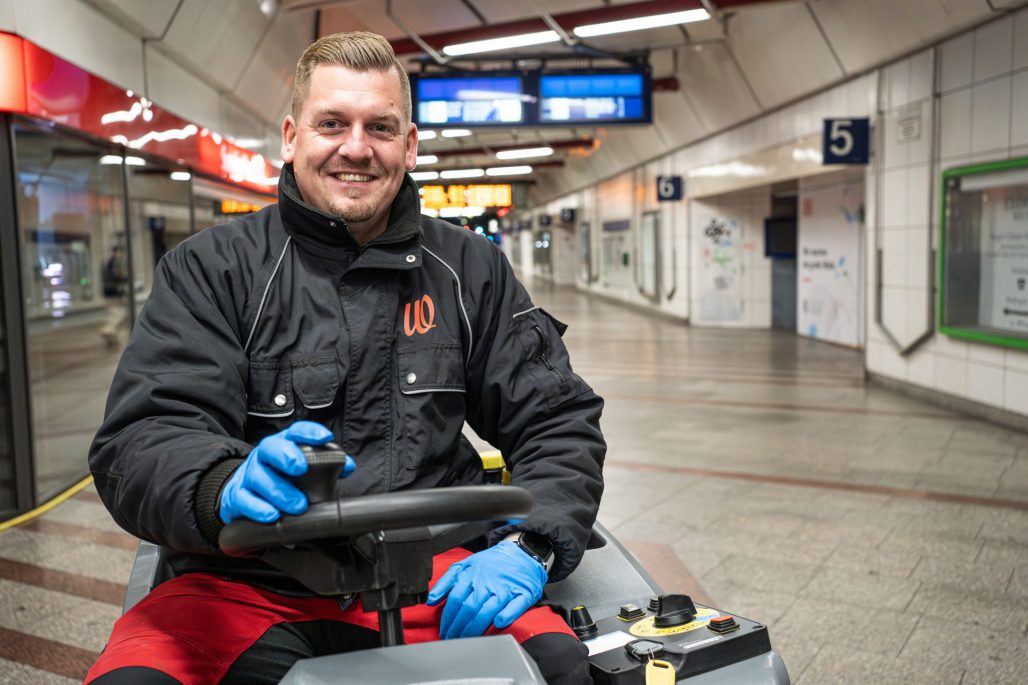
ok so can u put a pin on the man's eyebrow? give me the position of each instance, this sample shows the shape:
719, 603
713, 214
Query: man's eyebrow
384, 116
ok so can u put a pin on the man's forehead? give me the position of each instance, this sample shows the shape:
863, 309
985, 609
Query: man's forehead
339, 76
340, 89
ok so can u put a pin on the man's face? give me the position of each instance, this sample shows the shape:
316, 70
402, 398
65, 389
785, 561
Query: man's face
350, 145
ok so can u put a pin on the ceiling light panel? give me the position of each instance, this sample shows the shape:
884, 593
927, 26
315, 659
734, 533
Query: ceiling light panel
524, 153
641, 23
509, 170
462, 173
506, 43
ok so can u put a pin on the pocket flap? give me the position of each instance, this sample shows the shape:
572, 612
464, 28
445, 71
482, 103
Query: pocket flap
269, 392
316, 381
431, 368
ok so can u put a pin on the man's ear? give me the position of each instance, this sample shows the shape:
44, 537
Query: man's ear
288, 139
412, 147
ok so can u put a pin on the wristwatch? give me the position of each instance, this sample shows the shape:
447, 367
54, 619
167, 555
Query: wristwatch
535, 545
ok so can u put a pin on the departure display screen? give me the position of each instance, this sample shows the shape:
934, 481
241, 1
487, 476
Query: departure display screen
594, 98
469, 101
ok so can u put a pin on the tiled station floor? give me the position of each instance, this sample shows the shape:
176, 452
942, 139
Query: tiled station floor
882, 540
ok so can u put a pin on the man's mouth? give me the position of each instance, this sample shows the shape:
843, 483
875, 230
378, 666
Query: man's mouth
350, 176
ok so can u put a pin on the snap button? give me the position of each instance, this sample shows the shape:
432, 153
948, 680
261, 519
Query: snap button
280, 400
411, 259
411, 378
332, 224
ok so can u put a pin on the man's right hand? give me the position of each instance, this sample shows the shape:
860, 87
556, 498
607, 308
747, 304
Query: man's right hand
258, 489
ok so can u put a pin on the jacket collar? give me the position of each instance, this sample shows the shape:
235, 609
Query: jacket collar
328, 236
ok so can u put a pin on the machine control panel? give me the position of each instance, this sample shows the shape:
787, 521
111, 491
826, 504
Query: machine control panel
692, 638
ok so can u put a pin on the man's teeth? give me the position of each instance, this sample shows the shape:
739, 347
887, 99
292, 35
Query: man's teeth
353, 177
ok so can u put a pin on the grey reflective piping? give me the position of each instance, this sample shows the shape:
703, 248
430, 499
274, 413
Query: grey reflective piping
524, 312
419, 392
271, 416
460, 298
317, 406
260, 308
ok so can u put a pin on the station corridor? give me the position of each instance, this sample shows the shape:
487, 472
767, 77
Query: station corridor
881, 539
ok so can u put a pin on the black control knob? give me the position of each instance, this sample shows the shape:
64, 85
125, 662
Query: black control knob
324, 464
582, 623
674, 610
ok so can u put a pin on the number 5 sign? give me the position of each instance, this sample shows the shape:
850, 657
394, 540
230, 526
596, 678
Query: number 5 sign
845, 141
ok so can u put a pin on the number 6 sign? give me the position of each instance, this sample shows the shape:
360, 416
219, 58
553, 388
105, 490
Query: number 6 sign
669, 188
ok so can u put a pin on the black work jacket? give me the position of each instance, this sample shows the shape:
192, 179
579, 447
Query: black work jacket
281, 316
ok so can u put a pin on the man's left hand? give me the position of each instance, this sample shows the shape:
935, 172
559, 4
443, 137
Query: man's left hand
492, 587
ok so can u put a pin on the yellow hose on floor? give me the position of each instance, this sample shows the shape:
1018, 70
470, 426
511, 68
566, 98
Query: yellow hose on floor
42, 509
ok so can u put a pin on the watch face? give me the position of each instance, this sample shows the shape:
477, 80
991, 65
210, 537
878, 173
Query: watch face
536, 544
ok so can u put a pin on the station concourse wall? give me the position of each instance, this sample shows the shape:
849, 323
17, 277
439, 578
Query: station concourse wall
961, 101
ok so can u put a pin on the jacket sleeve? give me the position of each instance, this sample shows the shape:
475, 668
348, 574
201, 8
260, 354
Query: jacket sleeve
526, 400
176, 407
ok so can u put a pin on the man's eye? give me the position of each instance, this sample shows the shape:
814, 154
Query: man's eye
381, 128
330, 124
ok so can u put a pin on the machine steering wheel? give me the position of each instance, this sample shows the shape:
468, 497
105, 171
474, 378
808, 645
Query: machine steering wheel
377, 546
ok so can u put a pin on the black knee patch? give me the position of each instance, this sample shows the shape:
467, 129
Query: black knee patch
562, 659
135, 675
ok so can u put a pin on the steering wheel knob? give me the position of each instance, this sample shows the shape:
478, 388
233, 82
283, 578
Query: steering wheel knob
324, 465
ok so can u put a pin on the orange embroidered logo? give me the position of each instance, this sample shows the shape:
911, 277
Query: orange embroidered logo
424, 316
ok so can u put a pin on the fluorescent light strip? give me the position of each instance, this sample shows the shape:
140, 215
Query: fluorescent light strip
462, 173
505, 43
508, 170
456, 132
640, 23
426, 135
180, 176
107, 160
424, 175
427, 159
525, 153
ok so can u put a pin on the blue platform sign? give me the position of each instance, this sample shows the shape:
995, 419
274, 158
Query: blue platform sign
846, 141
669, 188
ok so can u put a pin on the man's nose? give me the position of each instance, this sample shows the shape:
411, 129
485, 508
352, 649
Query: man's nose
356, 144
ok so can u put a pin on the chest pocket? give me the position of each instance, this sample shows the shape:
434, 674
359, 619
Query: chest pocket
432, 391
282, 392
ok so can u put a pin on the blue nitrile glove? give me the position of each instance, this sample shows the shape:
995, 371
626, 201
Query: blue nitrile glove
494, 586
257, 490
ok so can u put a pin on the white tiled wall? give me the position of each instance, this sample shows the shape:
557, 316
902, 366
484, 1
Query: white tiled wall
983, 116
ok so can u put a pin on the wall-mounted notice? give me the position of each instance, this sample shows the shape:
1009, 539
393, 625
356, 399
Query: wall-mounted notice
984, 255
829, 262
1003, 299
720, 270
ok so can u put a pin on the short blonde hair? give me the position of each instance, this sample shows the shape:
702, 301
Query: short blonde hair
357, 50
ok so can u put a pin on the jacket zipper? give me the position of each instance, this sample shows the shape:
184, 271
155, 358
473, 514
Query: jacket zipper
544, 346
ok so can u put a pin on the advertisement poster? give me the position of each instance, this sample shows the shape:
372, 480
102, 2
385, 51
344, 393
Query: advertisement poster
1003, 298
828, 260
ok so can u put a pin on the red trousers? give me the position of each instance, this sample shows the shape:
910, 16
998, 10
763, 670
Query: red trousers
195, 626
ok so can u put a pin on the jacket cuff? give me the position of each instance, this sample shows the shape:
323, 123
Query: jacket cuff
208, 494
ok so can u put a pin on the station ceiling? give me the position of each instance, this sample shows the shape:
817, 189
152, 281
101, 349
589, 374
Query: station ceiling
752, 57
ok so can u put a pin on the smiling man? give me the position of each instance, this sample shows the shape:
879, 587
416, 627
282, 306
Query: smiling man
339, 314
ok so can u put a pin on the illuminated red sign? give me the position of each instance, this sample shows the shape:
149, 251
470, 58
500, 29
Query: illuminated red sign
59, 91
12, 74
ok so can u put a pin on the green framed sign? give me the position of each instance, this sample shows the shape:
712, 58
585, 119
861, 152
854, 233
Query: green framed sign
983, 253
